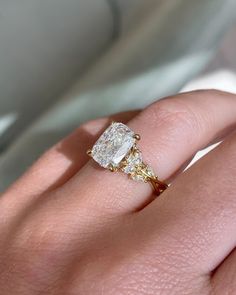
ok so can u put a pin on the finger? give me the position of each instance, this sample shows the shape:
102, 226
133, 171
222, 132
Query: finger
199, 211
57, 165
64, 159
224, 278
172, 131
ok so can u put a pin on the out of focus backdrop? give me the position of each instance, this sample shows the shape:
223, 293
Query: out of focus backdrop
63, 62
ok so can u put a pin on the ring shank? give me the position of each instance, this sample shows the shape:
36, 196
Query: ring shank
158, 186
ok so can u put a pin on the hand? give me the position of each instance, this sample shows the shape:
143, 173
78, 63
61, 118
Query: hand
68, 227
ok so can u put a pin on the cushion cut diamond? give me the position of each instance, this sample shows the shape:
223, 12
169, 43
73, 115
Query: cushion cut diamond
113, 145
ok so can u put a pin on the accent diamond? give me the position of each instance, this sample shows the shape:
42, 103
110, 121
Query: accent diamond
133, 160
142, 172
113, 145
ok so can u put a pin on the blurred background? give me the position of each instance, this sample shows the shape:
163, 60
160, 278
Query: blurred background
63, 62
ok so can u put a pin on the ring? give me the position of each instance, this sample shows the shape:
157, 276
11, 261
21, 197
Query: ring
116, 149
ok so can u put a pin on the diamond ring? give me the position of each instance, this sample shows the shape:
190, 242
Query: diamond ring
116, 149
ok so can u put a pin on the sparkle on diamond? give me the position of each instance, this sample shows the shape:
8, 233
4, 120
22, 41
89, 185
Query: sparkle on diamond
133, 160
113, 145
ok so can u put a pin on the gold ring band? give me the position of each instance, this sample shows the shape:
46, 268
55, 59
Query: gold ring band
116, 149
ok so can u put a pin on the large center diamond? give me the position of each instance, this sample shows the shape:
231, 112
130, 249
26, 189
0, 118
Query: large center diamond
113, 145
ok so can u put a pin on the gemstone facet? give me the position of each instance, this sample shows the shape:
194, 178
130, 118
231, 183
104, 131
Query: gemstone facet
113, 145
132, 161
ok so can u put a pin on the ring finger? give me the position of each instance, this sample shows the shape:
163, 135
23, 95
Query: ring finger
172, 130
56, 166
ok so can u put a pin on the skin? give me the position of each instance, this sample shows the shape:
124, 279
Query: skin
69, 227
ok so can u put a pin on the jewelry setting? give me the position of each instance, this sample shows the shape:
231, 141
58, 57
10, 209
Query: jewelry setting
116, 150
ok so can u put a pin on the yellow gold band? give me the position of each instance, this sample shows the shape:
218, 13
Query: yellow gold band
117, 150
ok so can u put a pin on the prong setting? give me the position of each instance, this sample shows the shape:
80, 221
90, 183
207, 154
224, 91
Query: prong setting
117, 150
112, 168
89, 153
137, 136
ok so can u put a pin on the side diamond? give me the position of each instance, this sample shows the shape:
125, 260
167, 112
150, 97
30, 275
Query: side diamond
132, 161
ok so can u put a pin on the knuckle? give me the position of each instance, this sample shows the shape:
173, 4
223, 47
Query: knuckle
33, 259
151, 274
176, 112
208, 92
45, 243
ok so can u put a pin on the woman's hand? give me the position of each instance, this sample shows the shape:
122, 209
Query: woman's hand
68, 227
